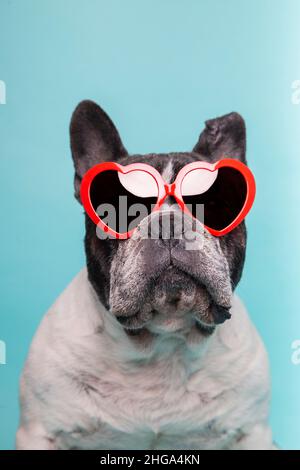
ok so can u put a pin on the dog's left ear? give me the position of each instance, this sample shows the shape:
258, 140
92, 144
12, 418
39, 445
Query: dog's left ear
222, 137
94, 139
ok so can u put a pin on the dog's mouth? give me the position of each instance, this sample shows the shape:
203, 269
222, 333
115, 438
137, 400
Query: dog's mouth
176, 302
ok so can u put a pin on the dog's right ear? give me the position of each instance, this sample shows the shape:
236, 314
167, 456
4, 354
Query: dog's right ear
94, 139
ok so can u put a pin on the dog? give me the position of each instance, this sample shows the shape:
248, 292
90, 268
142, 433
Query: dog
121, 360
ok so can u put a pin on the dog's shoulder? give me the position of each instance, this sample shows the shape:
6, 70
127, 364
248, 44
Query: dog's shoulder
238, 345
74, 316
76, 311
237, 368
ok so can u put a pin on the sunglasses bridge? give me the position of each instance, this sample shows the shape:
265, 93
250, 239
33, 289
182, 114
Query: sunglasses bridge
170, 189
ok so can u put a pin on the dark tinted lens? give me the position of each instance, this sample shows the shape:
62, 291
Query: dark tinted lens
223, 201
118, 208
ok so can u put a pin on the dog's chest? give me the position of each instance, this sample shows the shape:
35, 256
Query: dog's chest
154, 406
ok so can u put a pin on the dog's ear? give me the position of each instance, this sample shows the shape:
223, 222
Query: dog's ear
94, 139
222, 137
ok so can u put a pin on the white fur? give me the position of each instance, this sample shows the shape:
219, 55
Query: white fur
87, 385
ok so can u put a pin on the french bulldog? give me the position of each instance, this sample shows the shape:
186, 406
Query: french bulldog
149, 347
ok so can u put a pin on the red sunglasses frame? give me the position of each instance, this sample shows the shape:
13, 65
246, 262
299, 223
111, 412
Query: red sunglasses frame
165, 190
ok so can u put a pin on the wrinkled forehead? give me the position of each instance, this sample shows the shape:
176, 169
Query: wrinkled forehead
168, 164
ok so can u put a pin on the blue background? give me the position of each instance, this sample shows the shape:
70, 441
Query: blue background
159, 68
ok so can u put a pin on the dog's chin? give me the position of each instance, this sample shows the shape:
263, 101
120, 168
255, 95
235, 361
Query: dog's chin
176, 304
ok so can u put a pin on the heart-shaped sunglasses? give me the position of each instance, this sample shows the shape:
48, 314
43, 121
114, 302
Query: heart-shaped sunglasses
225, 190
